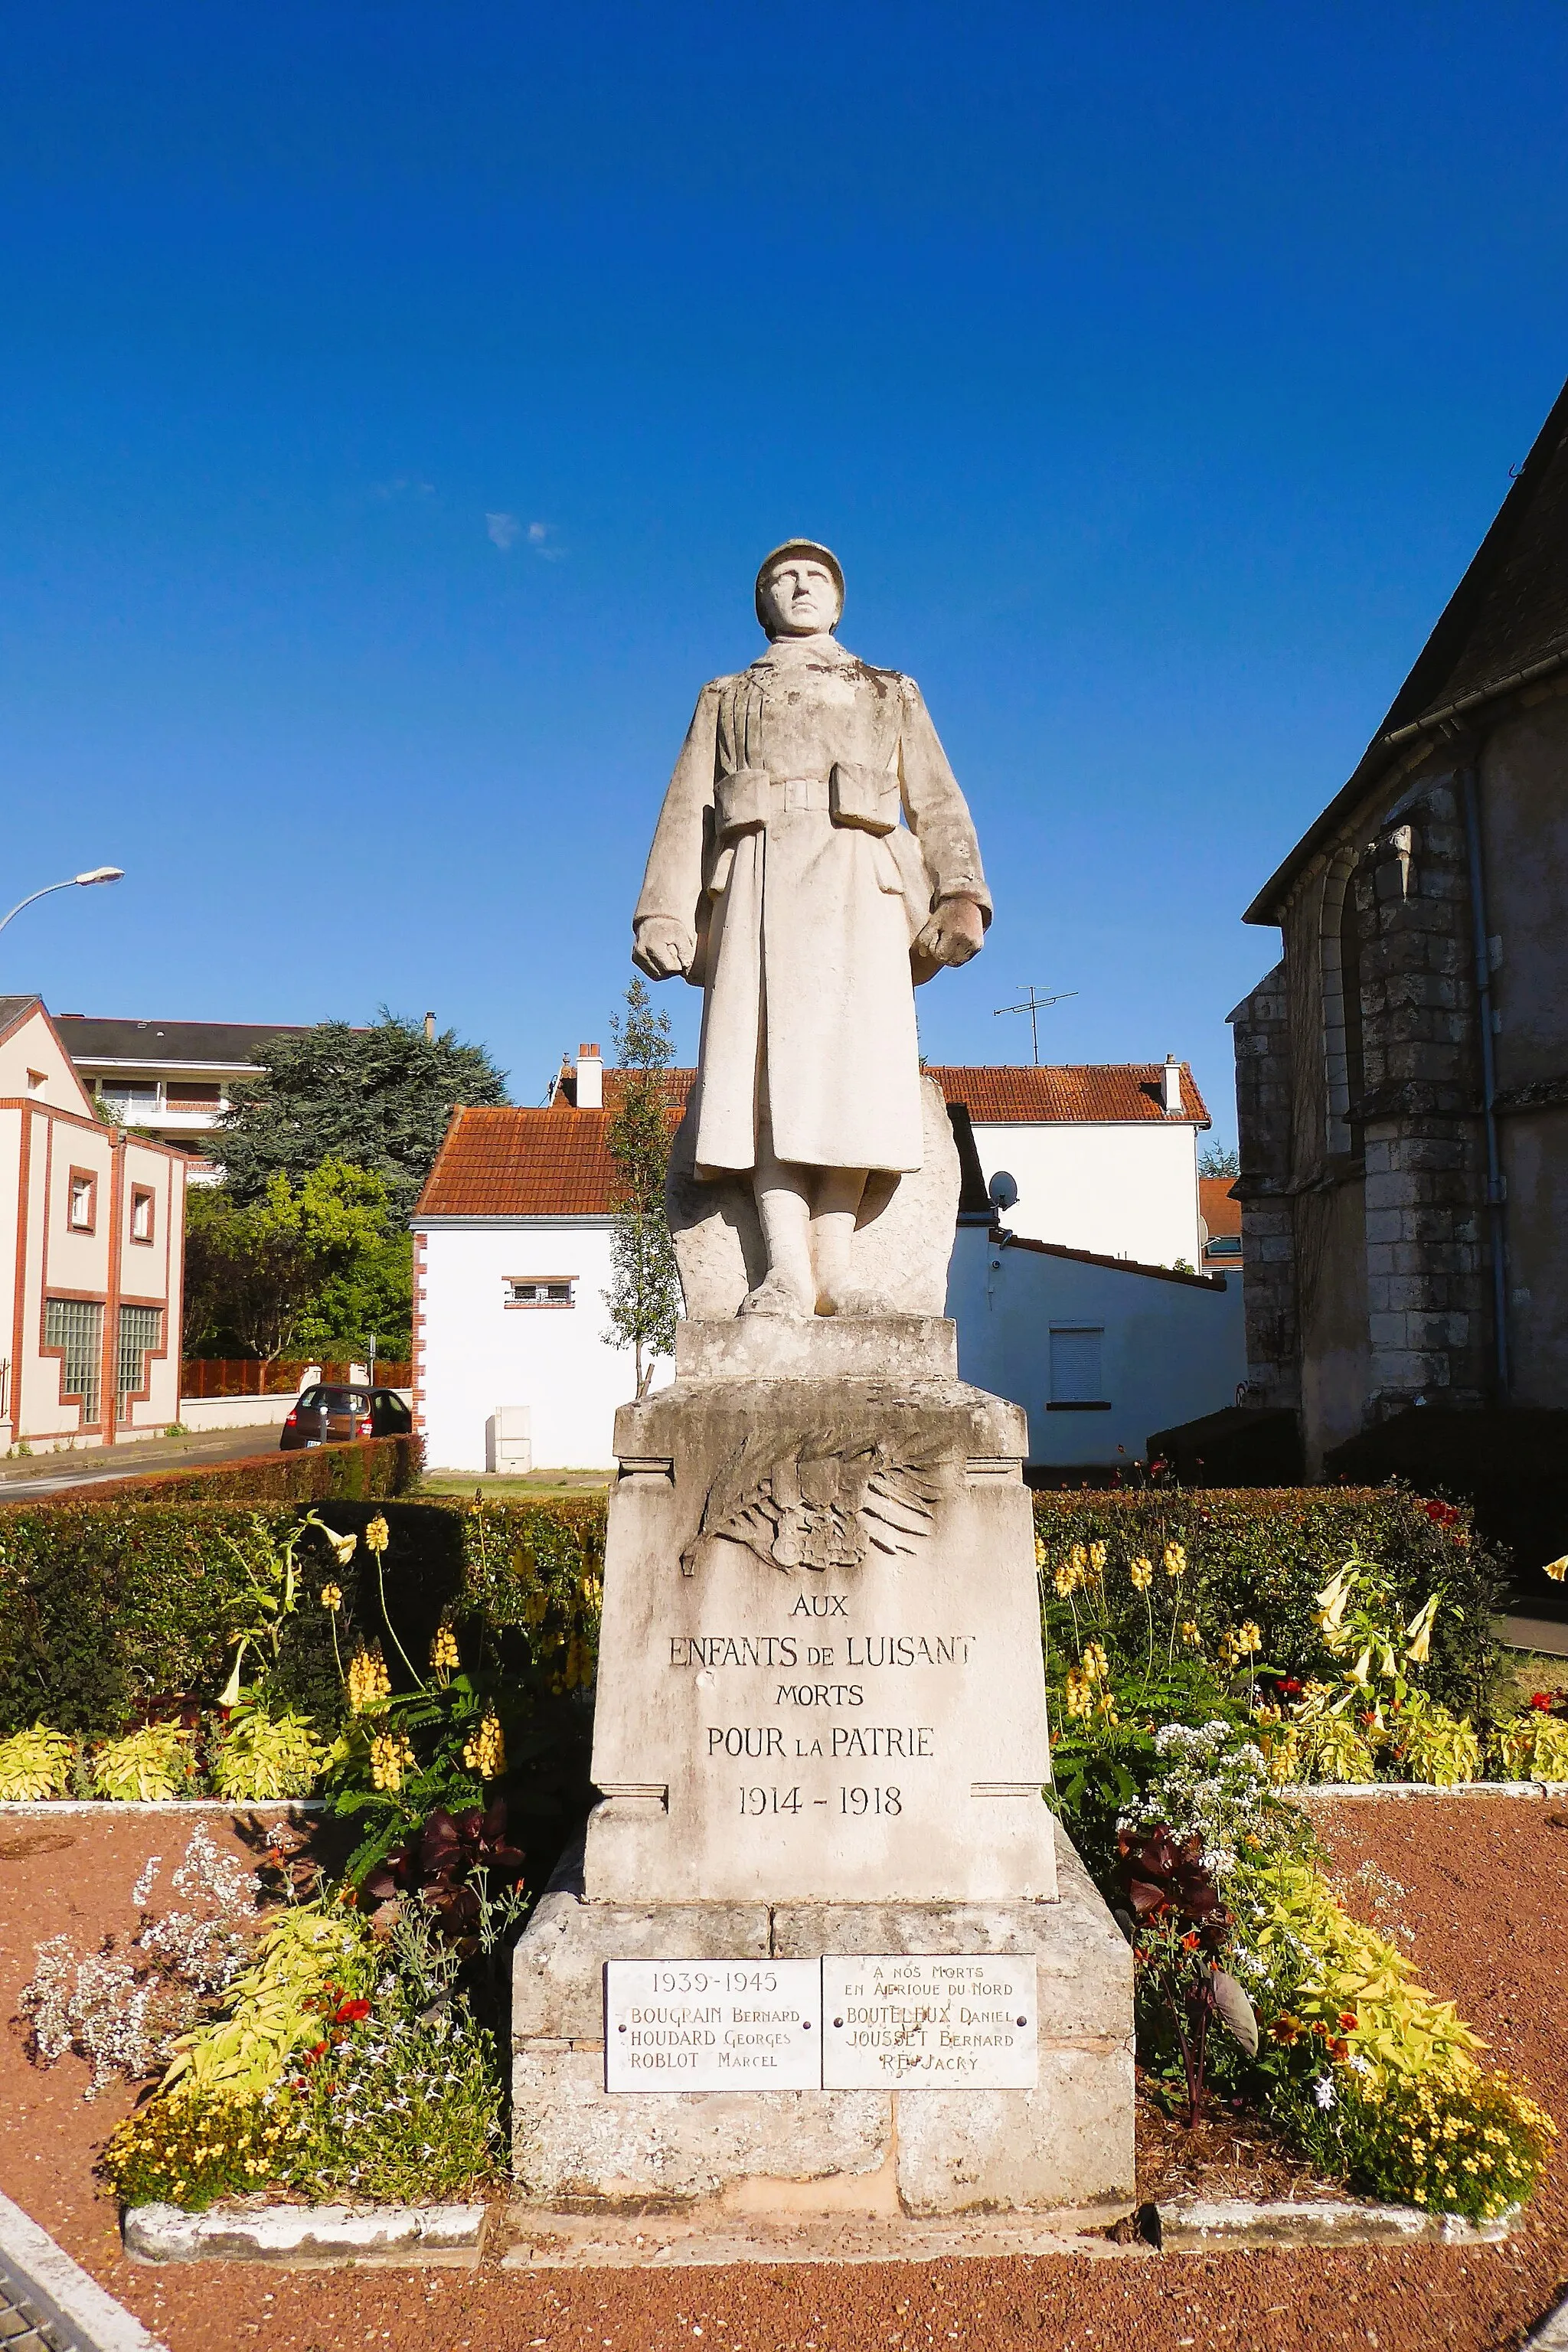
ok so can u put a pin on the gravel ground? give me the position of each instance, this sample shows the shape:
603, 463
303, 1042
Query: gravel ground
1480, 1888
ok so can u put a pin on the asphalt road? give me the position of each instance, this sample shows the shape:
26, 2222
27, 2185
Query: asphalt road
46, 1474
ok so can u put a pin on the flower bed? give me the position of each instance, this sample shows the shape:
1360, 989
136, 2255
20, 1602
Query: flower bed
1179, 1720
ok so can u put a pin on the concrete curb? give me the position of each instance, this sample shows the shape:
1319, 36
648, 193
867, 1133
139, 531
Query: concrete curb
1551, 2335
38, 1808
1339, 1790
1187, 2224
75, 2307
315, 2235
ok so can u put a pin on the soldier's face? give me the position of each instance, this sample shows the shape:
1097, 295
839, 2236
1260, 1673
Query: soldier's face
800, 598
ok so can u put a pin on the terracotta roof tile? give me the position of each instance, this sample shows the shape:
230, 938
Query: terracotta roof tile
1068, 1091
555, 1162
1217, 1205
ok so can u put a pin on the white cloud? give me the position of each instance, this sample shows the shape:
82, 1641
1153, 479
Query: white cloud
541, 539
503, 529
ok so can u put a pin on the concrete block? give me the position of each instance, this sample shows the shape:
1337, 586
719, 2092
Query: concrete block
1067, 2143
573, 2141
307, 2234
557, 1985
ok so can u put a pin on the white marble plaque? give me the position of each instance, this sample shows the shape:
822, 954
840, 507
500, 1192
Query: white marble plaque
712, 2025
950, 2020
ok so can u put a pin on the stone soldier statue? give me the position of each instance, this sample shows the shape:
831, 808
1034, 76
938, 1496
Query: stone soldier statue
813, 861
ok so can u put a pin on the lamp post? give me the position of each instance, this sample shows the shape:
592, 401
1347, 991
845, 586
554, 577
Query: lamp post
72, 882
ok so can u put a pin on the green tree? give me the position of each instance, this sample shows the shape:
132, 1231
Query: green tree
376, 1100
280, 1270
643, 1296
1219, 1160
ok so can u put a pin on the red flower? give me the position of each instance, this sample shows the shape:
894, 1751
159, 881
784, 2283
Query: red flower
1291, 1687
1542, 1699
1339, 2050
349, 2012
318, 2051
1347, 2020
1442, 1515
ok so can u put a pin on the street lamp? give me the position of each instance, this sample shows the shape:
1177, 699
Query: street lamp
72, 882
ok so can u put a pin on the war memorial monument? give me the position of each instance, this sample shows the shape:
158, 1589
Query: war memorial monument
827, 1947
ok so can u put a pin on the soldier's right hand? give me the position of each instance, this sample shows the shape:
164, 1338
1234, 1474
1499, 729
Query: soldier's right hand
662, 948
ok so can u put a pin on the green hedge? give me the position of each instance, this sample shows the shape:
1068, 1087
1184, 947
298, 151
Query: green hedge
1265, 1553
106, 1603
369, 1466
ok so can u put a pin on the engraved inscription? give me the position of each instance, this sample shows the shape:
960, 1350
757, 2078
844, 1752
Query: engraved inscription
712, 2025
948, 2022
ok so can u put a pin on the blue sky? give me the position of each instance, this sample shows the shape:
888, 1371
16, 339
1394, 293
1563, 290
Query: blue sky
396, 400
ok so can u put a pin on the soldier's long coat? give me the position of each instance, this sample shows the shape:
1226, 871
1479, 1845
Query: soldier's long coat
810, 827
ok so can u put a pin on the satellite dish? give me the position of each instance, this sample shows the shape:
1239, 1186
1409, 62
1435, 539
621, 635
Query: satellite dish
1002, 1191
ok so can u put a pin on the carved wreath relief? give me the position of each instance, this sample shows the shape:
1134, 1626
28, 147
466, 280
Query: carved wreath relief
822, 1505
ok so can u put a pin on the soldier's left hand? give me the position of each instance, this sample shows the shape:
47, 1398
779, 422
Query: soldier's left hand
955, 932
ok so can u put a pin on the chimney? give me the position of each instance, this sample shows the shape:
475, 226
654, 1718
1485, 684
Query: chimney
590, 1078
1171, 1078
429, 1028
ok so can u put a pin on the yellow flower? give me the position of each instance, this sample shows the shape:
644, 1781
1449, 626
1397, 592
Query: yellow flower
390, 1759
484, 1751
345, 1546
332, 1597
1064, 1580
1097, 1558
1106, 1705
1192, 1633
1332, 1599
444, 1653
1080, 1693
1250, 1641
378, 1535
1175, 1559
1142, 1574
1265, 1715
1420, 1632
370, 1684
1039, 1552
1556, 1569
1095, 1664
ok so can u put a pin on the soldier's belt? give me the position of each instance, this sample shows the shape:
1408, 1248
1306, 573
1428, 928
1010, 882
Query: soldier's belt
851, 796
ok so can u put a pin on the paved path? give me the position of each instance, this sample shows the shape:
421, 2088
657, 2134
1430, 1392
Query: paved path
46, 1474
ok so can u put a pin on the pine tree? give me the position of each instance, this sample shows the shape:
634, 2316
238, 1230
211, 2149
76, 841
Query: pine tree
643, 1296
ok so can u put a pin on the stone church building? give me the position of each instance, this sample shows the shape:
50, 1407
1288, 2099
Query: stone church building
1402, 1073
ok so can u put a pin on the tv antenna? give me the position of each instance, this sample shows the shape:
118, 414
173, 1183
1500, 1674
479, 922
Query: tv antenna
1035, 1005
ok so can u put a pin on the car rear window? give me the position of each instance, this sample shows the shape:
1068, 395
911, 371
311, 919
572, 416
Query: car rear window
345, 1400
309, 1397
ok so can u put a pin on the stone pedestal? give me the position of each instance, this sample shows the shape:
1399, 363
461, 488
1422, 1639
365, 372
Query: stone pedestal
820, 1729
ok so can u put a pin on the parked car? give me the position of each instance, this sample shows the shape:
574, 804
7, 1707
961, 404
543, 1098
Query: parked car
328, 1415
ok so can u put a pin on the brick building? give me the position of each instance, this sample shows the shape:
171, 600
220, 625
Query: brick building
1402, 1073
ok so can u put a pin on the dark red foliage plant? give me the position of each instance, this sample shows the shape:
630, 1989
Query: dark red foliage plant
455, 1864
1180, 1928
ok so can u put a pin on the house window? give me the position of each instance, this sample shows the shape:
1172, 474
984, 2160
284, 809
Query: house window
540, 1290
1223, 1246
1078, 1381
81, 1211
130, 1101
139, 1329
73, 1330
141, 1198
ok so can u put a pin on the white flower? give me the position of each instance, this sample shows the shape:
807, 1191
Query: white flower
1323, 2092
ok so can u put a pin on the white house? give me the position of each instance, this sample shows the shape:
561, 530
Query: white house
512, 1260
512, 1365
1103, 1156
91, 1255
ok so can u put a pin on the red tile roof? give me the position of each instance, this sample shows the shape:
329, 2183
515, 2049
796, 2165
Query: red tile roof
1069, 1092
555, 1162
1217, 1205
